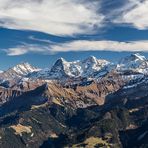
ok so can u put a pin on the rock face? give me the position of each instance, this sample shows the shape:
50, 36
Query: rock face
6, 94
88, 103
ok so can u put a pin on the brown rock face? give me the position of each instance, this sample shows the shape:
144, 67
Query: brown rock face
82, 96
7, 93
98, 90
79, 96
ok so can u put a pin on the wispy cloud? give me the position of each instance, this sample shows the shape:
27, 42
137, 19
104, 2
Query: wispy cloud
61, 17
26, 48
40, 40
134, 14
84, 45
80, 45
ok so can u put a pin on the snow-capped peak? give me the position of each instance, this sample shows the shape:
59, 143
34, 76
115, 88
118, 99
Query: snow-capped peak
135, 62
63, 68
90, 59
62, 59
59, 65
18, 72
92, 64
92, 67
24, 68
83, 68
138, 56
133, 58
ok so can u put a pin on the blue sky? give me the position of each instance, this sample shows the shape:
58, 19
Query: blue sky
42, 31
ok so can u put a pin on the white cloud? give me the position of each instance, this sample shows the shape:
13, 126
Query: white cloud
26, 48
135, 13
40, 40
61, 17
69, 17
80, 45
84, 45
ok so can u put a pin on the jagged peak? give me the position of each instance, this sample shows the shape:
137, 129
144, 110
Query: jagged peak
62, 59
138, 56
59, 65
135, 57
23, 64
91, 59
23, 68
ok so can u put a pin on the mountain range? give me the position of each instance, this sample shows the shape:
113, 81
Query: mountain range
88, 103
87, 68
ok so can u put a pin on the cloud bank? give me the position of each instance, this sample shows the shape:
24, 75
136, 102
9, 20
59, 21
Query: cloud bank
84, 45
70, 17
61, 17
80, 45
